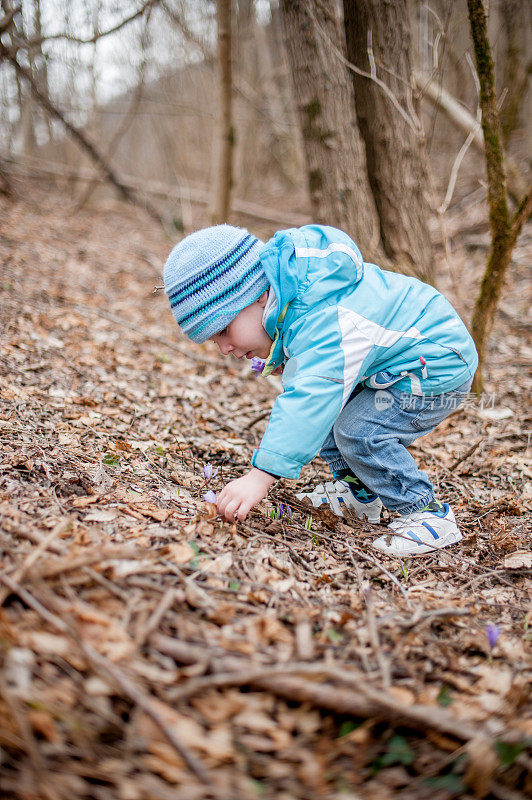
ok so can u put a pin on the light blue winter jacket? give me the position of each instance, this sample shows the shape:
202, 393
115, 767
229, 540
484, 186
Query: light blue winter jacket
347, 322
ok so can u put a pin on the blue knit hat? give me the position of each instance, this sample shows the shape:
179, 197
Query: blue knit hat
210, 276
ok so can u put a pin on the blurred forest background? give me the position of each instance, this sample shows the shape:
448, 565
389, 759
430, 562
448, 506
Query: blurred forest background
139, 81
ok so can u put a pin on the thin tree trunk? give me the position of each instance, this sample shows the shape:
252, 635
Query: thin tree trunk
336, 165
394, 150
499, 258
26, 139
504, 231
41, 73
225, 138
245, 166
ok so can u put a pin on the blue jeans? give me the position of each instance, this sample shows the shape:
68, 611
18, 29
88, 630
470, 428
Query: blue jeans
372, 433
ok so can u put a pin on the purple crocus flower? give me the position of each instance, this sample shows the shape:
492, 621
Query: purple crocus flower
257, 365
209, 496
281, 510
209, 472
492, 632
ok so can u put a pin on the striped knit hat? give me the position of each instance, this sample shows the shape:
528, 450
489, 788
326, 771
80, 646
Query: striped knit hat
210, 276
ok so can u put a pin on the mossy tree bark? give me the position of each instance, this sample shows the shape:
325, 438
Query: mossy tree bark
394, 148
504, 229
334, 151
224, 145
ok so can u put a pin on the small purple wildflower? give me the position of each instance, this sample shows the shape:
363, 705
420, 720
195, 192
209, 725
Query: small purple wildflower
492, 632
281, 510
257, 365
209, 472
209, 496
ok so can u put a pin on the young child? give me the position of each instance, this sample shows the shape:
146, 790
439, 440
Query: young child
371, 361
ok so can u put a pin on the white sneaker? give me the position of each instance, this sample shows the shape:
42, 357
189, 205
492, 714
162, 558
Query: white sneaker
339, 494
420, 532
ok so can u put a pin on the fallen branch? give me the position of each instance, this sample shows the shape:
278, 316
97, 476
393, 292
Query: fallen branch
43, 545
359, 700
142, 700
466, 455
85, 559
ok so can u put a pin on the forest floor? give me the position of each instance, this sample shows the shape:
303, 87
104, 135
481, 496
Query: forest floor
149, 650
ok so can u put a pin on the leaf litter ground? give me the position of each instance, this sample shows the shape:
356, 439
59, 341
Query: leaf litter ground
148, 650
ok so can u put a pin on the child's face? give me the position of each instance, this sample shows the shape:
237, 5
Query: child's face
245, 336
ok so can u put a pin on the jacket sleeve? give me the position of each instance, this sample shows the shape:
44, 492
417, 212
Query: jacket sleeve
323, 367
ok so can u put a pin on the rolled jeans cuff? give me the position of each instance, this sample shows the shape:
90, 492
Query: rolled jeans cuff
411, 508
337, 464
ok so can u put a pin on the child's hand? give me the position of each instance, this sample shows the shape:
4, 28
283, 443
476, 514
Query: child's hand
238, 497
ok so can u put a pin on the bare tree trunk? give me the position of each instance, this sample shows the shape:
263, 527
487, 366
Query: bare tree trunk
286, 145
41, 71
26, 137
245, 67
337, 178
504, 231
225, 137
394, 151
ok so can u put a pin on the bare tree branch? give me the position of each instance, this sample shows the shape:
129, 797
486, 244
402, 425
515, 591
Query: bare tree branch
148, 5
191, 37
466, 122
521, 215
82, 140
341, 691
412, 121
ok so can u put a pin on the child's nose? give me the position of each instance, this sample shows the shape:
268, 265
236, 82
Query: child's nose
225, 348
